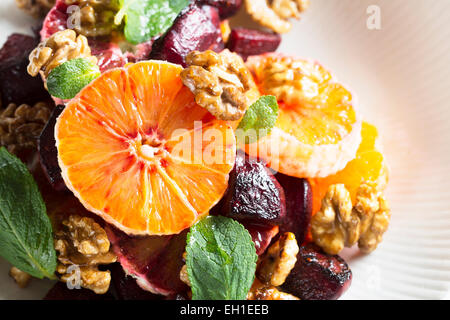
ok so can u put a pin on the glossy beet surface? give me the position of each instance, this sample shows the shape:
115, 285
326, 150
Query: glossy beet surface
253, 195
261, 235
16, 86
154, 261
48, 152
247, 42
298, 206
318, 276
195, 29
227, 8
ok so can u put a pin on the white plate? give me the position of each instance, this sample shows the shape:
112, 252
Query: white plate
401, 74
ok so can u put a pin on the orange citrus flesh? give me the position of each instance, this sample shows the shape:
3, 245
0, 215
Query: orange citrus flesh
369, 165
318, 130
136, 149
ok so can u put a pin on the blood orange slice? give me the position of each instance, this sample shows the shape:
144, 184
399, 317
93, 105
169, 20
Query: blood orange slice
136, 149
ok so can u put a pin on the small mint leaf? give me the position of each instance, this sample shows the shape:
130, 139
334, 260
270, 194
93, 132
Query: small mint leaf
221, 259
145, 19
26, 237
67, 79
259, 120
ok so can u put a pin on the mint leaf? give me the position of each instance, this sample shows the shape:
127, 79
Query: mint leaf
26, 238
145, 19
67, 79
259, 120
221, 259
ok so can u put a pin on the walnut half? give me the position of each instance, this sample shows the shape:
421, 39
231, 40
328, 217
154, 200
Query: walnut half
338, 224
260, 291
219, 82
83, 243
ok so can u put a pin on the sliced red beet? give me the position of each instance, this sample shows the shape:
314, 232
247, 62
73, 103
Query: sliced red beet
154, 261
248, 42
108, 54
298, 206
56, 20
194, 29
317, 275
60, 292
16, 86
48, 152
254, 195
227, 8
261, 236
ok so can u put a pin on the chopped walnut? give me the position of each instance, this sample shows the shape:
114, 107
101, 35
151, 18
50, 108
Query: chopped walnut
36, 8
59, 48
292, 80
219, 82
21, 278
20, 126
94, 18
260, 291
338, 224
184, 275
275, 14
83, 243
278, 261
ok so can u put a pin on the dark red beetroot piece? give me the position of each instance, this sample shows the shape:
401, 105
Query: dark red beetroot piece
56, 20
16, 86
298, 206
48, 152
227, 8
318, 276
60, 292
247, 42
253, 195
194, 29
155, 261
261, 235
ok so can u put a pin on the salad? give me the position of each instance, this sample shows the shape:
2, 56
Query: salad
153, 149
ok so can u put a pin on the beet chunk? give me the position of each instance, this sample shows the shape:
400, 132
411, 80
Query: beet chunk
317, 275
261, 235
247, 42
16, 85
227, 8
60, 292
298, 206
254, 195
48, 152
194, 29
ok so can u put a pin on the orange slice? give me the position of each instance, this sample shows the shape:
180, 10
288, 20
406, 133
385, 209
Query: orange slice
136, 149
318, 130
368, 166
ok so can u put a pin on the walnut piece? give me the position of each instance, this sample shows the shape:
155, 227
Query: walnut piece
275, 14
59, 48
278, 261
20, 126
83, 242
219, 82
337, 224
21, 278
35, 8
260, 291
94, 18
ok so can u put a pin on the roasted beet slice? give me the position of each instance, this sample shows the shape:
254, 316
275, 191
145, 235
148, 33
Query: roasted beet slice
227, 8
155, 261
253, 195
108, 54
317, 275
16, 86
261, 235
194, 29
248, 42
60, 292
298, 206
56, 20
48, 152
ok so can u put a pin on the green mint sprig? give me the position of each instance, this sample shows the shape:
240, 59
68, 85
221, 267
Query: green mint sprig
221, 259
26, 237
145, 19
67, 79
258, 121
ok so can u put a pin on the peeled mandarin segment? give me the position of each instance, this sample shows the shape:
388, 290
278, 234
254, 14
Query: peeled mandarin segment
318, 130
369, 165
117, 150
